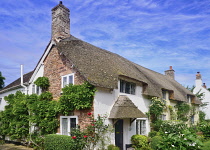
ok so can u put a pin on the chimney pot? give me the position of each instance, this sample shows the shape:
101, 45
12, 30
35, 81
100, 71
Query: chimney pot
198, 75
171, 68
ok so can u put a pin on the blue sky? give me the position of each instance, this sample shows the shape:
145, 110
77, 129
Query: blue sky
153, 33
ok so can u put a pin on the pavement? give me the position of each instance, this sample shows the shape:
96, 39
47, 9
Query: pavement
14, 147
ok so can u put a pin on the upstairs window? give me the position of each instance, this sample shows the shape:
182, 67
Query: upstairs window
164, 94
127, 87
36, 89
67, 79
67, 123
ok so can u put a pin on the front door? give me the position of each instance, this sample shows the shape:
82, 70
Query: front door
119, 134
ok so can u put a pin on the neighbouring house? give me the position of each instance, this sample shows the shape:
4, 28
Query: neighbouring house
124, 89
201, 87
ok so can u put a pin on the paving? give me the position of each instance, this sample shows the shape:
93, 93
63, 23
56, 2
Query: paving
14, 147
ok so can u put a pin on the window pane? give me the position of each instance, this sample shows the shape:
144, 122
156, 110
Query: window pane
71, 79
33, 89
72, 123
64, 81
127, 87
133, 86
121, 86
64, 126
37, 90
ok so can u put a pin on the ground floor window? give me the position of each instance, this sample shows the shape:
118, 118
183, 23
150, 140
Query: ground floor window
141, 127
67, 123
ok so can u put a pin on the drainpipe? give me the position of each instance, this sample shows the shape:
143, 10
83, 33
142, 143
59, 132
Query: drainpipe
21, 80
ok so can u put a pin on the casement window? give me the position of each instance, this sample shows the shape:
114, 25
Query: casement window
192, 119
127, 87
67, 79
36, 89
162, 117
67, 123
141, 127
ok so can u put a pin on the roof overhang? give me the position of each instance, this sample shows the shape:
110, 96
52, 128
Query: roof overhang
125, 108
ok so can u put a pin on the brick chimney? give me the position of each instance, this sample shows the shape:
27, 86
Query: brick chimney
198, 81
170, 72
60, 22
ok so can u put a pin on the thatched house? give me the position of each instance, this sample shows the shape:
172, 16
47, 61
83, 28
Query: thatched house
124, 88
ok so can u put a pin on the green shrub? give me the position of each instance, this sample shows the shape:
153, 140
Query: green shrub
153, 133
171, 126
205, 128
206, 145
112, 147
139, 141
155, 141
58, 142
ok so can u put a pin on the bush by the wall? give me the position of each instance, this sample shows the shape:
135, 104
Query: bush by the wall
112, 147
155, 141
58, 142
139, 141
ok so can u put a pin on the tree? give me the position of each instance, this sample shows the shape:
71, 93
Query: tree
1, 81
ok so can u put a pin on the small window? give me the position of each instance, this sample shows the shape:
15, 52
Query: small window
192, 119
141, 127
67, 123
162, 117
189, 98
36, 89
127, 87
164, 95
67, 79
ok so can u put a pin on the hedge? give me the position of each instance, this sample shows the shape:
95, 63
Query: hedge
58, 142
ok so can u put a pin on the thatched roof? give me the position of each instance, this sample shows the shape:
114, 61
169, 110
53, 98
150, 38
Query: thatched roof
16, 83
103, 68
125, 108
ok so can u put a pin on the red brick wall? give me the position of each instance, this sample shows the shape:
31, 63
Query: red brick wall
55, 66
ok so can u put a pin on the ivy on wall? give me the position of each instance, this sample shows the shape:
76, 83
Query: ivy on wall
41, 111
77, 97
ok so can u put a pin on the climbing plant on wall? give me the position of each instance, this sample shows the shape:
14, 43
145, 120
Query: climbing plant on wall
42, 82
77, 97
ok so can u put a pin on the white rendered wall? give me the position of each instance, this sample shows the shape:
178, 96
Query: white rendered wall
3, 102
206, 97
104, 100
39, 73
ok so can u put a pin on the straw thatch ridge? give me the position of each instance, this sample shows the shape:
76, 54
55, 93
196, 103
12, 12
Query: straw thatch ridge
103, 68
125, 108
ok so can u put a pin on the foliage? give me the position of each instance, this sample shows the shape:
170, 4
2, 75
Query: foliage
173, 114
139, 141
76, 97
112, 147
184, 140
205, 128
202, 116
183, 110
155, 141
172, 126
95, 134
14, 119
153, 133
58, 142
206, 145
156, 109
1, 80
42, 82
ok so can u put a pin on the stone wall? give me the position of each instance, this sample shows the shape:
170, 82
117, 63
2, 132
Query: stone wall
55, 66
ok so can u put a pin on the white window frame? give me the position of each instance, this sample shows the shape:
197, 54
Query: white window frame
132, 87
34, 89
139, 126
67, 77
68, 123
163, 117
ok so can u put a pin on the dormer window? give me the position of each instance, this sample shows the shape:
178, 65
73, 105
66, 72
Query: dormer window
67, 79
127, 87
